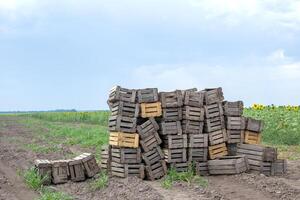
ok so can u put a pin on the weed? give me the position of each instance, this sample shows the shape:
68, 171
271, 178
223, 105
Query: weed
100, 182
32, 179
53, 195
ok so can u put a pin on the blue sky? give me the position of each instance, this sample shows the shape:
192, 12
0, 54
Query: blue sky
68, 54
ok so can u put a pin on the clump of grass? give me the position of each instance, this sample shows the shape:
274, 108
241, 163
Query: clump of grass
32, 179
53, 195
100, 182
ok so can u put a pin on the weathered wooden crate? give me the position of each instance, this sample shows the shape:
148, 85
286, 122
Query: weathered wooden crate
153, 156
120, 139
235, 136
126, 155
175, 155
151, 110
180, 167
252, 137
188, 90
118, 93
197, 154
213, 110
201, 168
234, 108
232, 149
197, 140
125, 109
123, 124
170, 128
76, 169
193, 113
193, 98
171, 99
105, 157
90, 165
276, 168
174, 141
147, 128
150, 142
235, 123
60, 171
254, 125
172, 114
192, 127
214, 124
127, 170
213, 95
217, 137
147, 95
156, 170
44, 169
217, 151
228, 165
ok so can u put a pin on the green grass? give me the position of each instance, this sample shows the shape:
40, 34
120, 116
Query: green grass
41, 148
54, 195
100, 182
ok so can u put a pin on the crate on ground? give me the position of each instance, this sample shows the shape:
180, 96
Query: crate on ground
254, 125
175, 155
125, 109
193, 98
197, 140
197, 154
171, 99
276, 168
232, 149
235, 136
213, 110
118, 93
147, 95
192, 127
76, 169
105, 157
174, 141
172, 114
156, 170
151, 110
122, 124
90, 165
126, 155
201, 168
213, 95
252, 137
44, 169
60, 171
147, 128
153, 156
121, 139
217, 151
228, 165
193, 113
180, 167
214, 124
235, 123
170, 128
217, 137
150, 142
127, 170
233, 108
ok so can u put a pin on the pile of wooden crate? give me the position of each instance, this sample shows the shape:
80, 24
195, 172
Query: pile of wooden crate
60, 171
151, 131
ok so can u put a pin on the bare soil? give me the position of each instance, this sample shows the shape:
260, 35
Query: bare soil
14, 157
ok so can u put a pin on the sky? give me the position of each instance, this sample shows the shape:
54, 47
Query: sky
65, 54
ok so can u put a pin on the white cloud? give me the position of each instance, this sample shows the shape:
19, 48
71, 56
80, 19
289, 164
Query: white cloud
287, 72
278, 56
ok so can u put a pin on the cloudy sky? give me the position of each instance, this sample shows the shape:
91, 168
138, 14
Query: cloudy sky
69, 53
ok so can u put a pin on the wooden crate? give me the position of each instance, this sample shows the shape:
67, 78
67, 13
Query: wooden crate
127, 170
180, 167
175, 155
213, 95
171, 99
193, 113
156, 170
147, 128
151, 110
192, 127
125, 109
44, 169
217, 137
217, 151
232, 149
228, 165
150, 142
105, 157
235, 136
172, 114
254, 125
76, 169
213, 110
170, 128
197, 140
122, 124
197, 154
252, 137
118, 93
201, 168
120, 139
147, 95
60, 171
174, 141
235, 123
126, 155
153, 156
276, 168
188, 90
233, 108
90, 165
193, 98
214, 124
